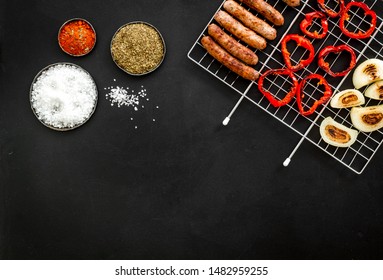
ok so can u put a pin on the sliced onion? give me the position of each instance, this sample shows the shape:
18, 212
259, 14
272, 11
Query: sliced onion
368, 72
367, 119
375, 91
347, 98
337, 134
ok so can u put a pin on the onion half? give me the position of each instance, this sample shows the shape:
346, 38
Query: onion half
347, 98
367, 119
368, 72
337, 134
375, 91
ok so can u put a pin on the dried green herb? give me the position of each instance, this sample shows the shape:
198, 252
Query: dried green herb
137, 48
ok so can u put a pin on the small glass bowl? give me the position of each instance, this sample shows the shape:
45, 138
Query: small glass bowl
162, 41
34, 110
70, 21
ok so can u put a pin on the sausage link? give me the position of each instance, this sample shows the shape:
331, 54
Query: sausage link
250, 20
228, 60
231, 45
241, 32
266, 10
292, 3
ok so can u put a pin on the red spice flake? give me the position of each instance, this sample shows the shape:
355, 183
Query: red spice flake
77, 37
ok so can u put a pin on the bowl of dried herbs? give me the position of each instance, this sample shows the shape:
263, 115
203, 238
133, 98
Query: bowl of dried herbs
138, 48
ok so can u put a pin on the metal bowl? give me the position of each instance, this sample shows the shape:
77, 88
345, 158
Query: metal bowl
51, 126
71, 20
163, 44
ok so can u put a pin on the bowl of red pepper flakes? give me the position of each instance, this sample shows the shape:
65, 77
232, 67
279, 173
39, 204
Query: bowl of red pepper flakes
77, 37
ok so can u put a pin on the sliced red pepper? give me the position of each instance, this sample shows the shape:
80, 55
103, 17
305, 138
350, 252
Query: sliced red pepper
367, 12
308, 21
300, 94
274, 101
331, 13
301, 42
336, 49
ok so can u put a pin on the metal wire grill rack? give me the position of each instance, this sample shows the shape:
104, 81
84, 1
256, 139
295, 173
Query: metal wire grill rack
361, 152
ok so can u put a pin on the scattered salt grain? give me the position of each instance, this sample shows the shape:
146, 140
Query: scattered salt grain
63, 96
122, 97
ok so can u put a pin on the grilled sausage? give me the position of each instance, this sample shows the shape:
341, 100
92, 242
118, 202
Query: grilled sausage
266, 10
292, 3
238, 30
231, 45
250, 20
228, 60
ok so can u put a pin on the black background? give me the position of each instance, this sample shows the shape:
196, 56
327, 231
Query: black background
180, 187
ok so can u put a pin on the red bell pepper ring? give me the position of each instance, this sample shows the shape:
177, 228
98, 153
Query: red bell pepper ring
273, 100
336, 49
300, 95
301, 42
308, 21
345, 17
331, 13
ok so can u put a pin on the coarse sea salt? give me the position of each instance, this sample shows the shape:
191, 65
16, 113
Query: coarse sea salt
63, 96
126, 97
122, 97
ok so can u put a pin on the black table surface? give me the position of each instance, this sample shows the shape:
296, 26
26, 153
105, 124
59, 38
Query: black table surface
172, 183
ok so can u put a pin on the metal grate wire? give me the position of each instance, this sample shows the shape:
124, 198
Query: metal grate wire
360, 153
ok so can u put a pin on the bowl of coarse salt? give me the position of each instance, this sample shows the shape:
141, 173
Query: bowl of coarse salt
63, 96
